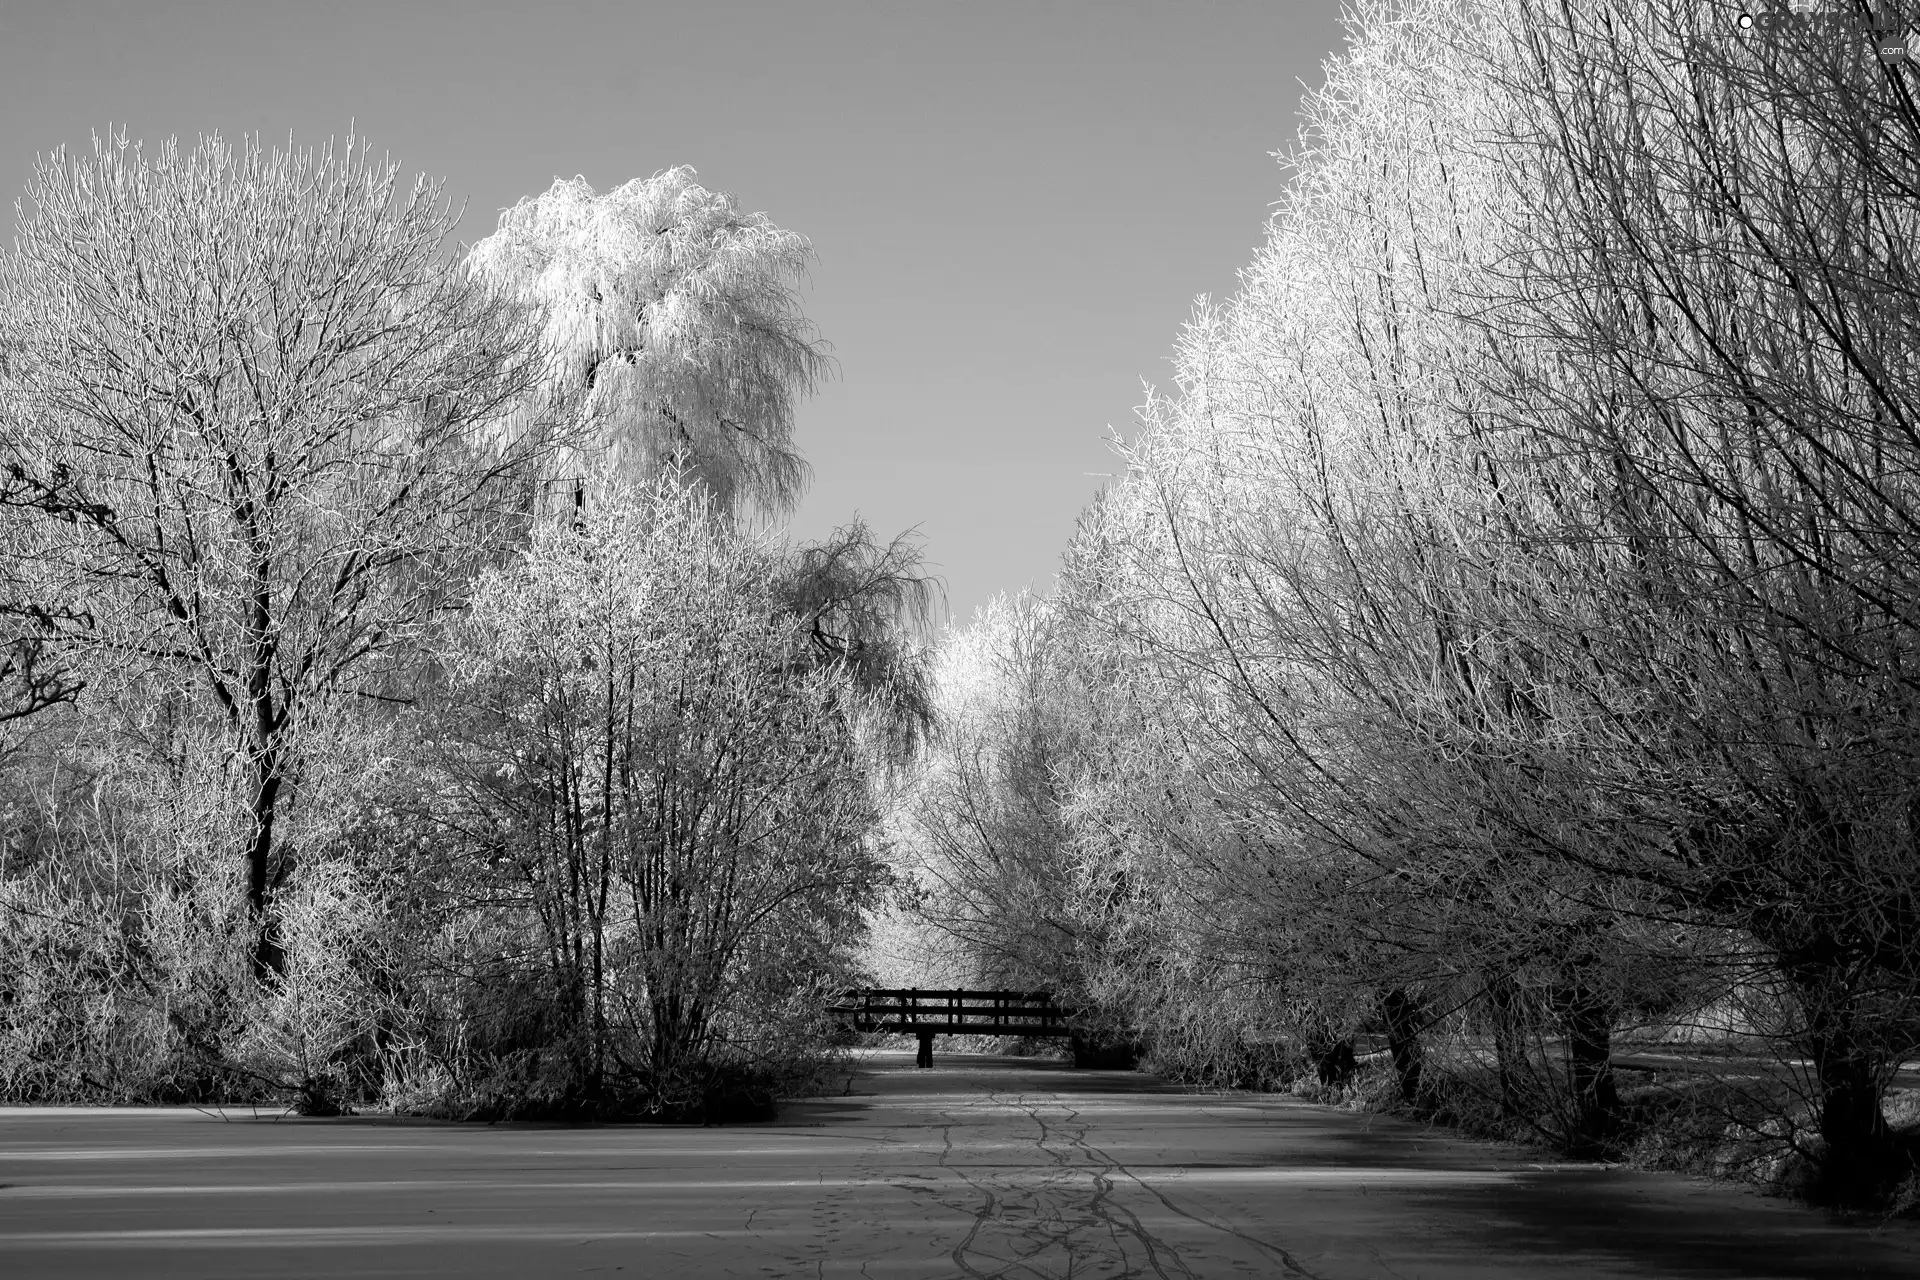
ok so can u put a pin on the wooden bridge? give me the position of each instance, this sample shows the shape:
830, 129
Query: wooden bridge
926, 1014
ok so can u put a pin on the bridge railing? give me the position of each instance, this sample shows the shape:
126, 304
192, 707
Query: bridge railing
953, 1011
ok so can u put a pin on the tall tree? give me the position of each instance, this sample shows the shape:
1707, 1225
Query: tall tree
254, 385
674, 345
1715, 314
671, 328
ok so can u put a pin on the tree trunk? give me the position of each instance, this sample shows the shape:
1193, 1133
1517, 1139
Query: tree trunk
1334, 1063
1860, 1151
269, 957
679, 1026
1851, 1119
1402, 1015
1503, 1002
1586, 1020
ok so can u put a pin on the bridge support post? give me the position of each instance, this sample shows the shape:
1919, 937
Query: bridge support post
926, 1050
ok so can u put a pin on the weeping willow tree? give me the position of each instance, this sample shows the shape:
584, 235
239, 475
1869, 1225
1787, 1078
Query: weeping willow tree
672, 328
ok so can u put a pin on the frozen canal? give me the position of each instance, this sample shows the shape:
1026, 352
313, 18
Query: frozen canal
981, 1167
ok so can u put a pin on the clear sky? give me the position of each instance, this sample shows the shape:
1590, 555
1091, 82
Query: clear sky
1013, 204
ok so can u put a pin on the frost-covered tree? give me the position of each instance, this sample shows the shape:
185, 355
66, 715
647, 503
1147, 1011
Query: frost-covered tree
1522, 568
244, 392
1001, 868
672, 330
987, 833
661, 817
1714, 316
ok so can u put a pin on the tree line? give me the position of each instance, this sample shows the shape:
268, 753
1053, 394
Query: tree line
404, 703
1492, 684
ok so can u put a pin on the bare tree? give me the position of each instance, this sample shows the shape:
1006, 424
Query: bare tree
652, 789
252, 390
987, 830
1332, 545
1714, 315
